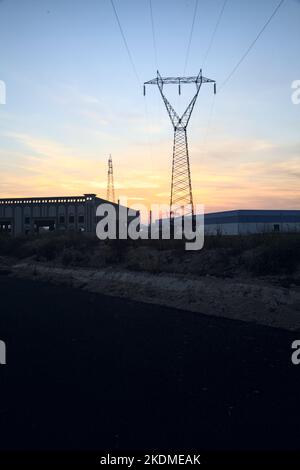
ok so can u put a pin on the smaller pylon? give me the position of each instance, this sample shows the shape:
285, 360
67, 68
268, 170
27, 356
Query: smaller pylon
110, 194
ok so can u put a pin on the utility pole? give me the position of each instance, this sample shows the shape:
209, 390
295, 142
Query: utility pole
181, 199
110, 193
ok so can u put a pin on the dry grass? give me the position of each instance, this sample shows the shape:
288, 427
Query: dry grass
266, 254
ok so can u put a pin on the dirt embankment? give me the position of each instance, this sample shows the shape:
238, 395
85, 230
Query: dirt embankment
255, 279
247, 301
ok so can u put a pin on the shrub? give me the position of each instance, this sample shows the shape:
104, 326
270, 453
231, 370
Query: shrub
280, 256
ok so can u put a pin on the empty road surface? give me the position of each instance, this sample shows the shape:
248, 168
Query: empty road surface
86, 371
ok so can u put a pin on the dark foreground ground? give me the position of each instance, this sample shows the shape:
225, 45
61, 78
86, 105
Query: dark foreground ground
85, 371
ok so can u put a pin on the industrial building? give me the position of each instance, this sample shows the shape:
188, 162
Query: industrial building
33, 215
21, 216
243, 222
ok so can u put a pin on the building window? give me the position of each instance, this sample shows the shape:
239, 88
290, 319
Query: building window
276, 228
81, 219
61, 219
27, 220
71, 219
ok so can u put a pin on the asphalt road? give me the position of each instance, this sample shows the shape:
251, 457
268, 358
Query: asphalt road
86, 371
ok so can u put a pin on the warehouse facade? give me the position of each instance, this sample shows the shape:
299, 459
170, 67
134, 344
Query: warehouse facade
21, 216
243, 222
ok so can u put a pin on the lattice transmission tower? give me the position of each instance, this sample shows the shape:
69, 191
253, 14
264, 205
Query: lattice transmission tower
110, 193
181, 199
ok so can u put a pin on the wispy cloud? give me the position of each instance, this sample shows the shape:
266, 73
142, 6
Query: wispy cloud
228, 174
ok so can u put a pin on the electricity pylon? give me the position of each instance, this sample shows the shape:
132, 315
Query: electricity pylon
110, 193
181, 200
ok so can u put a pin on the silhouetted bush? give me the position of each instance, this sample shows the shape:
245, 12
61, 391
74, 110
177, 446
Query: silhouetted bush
73, 257
11, 246
280, 256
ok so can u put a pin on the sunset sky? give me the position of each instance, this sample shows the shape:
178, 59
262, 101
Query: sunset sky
73, 98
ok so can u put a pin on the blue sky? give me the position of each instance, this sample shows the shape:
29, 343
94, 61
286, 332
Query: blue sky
73, 98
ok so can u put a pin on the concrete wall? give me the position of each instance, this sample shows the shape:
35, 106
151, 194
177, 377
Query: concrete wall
249, 228
221, 229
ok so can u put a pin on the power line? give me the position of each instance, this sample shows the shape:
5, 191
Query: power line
153, 33
252, 44
236, 67
214, 32
136, 74
190, 38
210, 117
209, 123
130, 56
125, 43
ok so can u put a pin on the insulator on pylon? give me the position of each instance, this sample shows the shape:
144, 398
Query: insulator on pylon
144, 90
215, 88
179, 89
